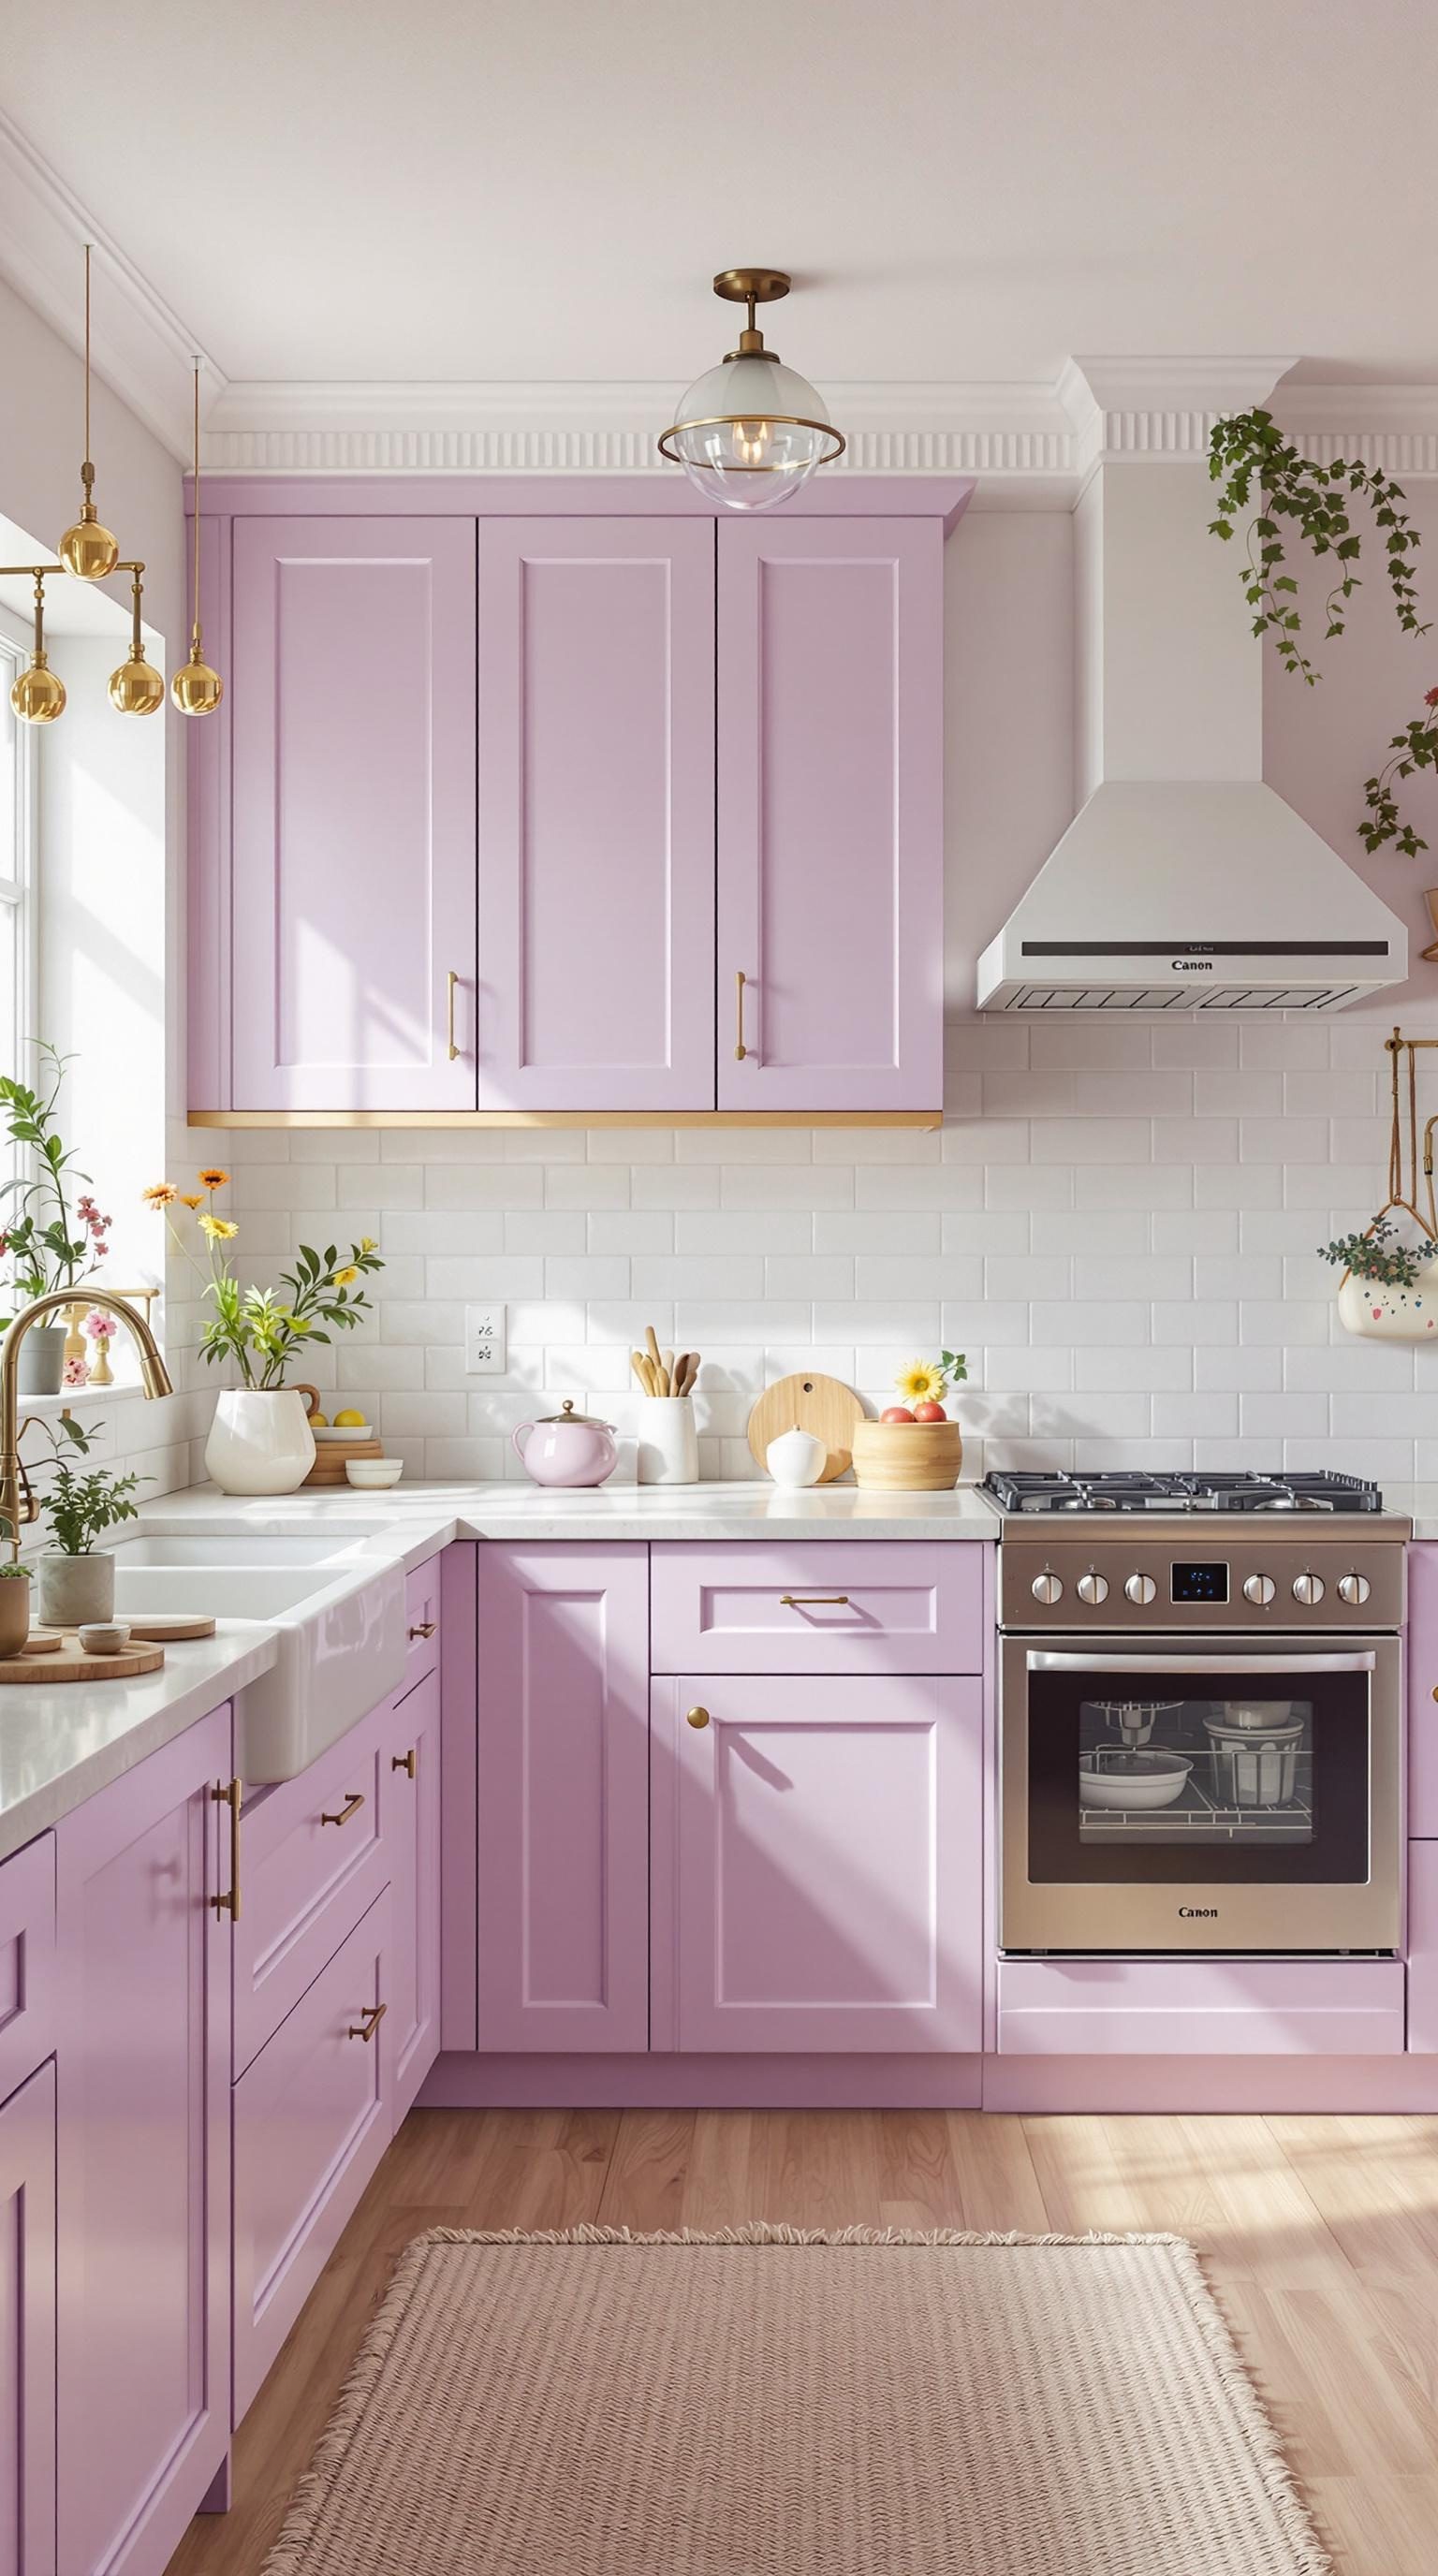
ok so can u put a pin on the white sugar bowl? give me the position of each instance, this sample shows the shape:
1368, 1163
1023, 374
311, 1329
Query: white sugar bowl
795, 1458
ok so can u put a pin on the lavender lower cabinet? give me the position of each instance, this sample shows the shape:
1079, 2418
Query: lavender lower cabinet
1423, 1689
313, 2115
817, 1862
410, 1798
1423, 1949
562, 1797
27, 2329
143, 2157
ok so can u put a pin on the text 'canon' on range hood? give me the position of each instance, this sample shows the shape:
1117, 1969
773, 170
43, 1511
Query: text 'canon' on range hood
1184, 883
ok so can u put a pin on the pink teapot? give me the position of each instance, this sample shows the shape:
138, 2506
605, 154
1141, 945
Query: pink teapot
566, 1448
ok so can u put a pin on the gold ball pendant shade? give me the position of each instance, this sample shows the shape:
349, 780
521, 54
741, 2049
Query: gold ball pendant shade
88, 550
137, 688
751, 431
196, 688
37, 696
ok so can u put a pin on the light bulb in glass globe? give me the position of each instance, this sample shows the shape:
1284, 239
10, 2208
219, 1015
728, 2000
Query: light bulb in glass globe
137, 688
37, 696
196, 688
89, 550
751, 431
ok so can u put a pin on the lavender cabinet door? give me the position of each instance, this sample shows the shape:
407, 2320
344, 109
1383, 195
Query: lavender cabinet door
830, 805
144, 2158
411, 1796
563, 1904
596, 814
352, 749
27, 2329
817, 1863
1422, 1687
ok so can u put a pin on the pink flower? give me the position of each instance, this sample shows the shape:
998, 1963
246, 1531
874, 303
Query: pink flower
99, 1327
76, 1372
1430, 697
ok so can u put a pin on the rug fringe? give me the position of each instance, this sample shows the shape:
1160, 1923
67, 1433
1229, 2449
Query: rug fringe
1231, 2370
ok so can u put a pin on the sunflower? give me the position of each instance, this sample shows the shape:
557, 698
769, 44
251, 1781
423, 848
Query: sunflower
159, 1194
214, 1179
343, 1277
220, 1229
921, 1382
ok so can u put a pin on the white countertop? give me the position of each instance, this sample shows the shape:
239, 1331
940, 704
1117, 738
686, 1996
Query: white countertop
1416, 1503
61, 1741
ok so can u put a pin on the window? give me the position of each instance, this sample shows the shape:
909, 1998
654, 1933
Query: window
17, 834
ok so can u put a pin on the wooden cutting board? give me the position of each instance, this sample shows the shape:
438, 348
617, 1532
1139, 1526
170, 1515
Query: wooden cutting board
67, 1663
823, 1405
169, 1628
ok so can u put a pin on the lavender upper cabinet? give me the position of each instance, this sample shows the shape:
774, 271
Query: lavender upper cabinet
352, 903
144, 2161
817, 1863
563, 1893
596, 814
830, 813
27, 2329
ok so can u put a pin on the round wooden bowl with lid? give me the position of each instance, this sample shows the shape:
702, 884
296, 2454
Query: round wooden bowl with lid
907, 1457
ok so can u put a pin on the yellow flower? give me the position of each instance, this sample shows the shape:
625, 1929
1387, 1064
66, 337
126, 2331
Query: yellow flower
921, 1382
220, 1229
159, 1194
187, 1201
343, 1277
367, 1243
214, 1179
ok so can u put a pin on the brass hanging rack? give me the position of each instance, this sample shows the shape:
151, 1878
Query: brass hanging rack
1404, 1149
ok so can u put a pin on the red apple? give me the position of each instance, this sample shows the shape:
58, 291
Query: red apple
898, 1413
930, 1413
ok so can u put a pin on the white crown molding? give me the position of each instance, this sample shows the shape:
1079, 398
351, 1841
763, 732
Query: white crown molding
140, 348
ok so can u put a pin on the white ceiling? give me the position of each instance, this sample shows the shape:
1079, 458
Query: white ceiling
353, 190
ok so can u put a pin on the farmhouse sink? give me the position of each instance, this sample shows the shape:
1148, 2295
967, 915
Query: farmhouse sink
249, 1547
339, 1627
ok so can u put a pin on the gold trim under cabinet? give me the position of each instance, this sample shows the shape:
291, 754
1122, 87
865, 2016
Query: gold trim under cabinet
437, 1118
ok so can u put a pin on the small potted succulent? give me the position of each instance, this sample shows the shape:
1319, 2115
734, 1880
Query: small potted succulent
1389, 1289
77, 1579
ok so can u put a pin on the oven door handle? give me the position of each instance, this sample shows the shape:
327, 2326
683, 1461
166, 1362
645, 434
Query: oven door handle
1154, 1660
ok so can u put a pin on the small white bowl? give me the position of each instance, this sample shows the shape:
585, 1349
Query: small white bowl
104, 1636
344, 1431
371, 1475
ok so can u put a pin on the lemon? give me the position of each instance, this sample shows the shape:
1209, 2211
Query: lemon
319, 1422
345, 1421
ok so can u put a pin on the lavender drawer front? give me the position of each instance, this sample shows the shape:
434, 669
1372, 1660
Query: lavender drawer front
1200, 2008
305, 1882
27, 2329
1422, 1682
1423, 1948
421, 1602
27, 1961
311, 2121
879, 1606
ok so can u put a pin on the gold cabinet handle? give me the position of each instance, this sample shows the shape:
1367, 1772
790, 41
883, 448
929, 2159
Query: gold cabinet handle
371, 2016
698, 1716
351, 1807
403, 1762
740, 1049
453, 987
229, 1794
814, 1600
425, 1628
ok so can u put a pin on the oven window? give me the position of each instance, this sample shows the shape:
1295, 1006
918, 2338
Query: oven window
1144, 1777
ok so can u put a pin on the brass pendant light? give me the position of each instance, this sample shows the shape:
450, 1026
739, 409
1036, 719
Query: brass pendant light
37, 696
196, 688
137, 688
751, 430
87, 549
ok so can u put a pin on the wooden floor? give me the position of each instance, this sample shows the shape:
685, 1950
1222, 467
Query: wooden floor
1320, 2237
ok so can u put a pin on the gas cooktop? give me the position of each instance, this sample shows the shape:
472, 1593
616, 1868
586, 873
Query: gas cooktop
1131, 1490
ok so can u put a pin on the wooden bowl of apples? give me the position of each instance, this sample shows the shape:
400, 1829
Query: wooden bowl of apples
908, 1452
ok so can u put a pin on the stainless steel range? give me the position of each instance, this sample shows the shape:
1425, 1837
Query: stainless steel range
1200, 1713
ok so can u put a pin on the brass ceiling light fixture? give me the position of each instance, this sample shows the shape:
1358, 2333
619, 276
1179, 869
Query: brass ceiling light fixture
89, 552
751, 430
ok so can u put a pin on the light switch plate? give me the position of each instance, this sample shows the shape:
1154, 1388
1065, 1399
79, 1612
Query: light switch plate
484, 1341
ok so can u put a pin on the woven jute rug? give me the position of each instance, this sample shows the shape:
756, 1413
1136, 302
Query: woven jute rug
771, 2403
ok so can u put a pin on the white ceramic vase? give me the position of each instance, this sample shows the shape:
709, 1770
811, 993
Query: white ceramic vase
260, 1440
668, 1442
76, 1589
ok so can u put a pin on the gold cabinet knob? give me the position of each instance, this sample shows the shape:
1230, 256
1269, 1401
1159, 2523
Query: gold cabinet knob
698, 1716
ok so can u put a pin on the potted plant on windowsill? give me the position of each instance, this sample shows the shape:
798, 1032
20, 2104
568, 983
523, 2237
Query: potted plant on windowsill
50, 1246
77, 1578
260, 1440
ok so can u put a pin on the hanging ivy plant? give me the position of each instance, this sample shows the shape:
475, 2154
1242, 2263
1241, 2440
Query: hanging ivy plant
1263, 472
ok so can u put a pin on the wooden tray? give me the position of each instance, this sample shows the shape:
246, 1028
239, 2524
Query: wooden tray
908, 1457
64, 1662
823, 1405
330, 1456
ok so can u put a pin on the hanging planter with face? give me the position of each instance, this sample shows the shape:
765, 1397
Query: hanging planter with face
1389, 1289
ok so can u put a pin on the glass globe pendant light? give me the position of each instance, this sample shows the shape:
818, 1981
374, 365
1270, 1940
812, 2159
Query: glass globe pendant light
196, 688
751, 430
86, 549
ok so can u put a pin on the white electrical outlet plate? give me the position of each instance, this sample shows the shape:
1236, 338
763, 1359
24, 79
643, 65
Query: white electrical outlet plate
484, 1341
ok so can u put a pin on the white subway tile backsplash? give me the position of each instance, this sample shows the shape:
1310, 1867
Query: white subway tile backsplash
724, 1231
547, 1230
589, 1185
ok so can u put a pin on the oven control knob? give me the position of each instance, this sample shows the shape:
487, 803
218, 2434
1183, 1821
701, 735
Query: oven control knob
1092, 1588
1140, 1588
1259, 1588
1353, 1588
1048, 1588
1308, 1590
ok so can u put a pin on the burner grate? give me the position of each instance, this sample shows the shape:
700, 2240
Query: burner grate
1134, 1489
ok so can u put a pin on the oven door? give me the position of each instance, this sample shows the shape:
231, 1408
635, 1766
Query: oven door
1245, 1798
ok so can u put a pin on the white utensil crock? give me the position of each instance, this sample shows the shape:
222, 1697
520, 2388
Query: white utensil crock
668, 1441
795, 1458
260, 1440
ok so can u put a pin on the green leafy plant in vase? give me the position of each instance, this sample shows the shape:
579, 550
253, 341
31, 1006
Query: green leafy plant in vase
77, 1577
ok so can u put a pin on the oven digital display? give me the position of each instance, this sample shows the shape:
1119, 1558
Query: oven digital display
1200, 1583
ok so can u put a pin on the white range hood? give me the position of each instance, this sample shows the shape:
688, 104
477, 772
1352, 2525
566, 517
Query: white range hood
1184, 883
